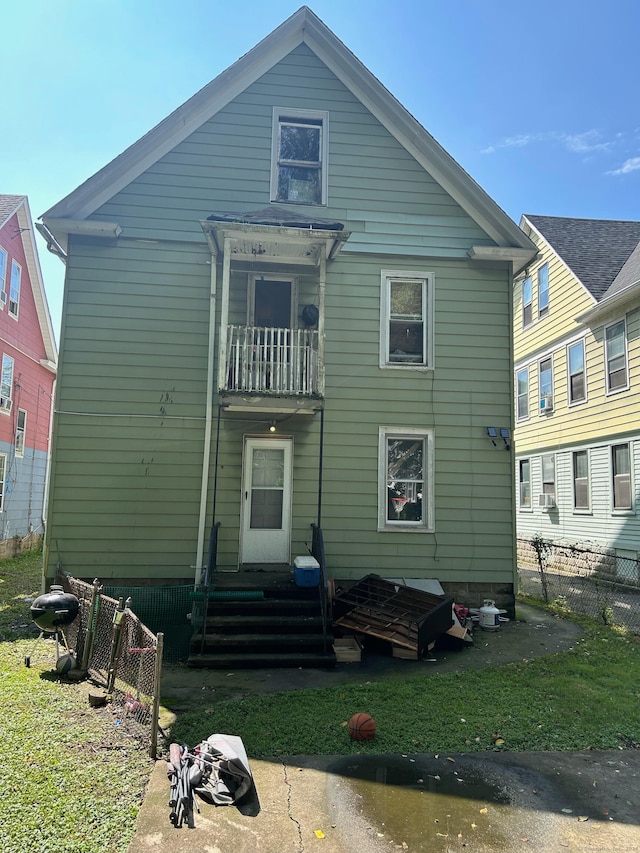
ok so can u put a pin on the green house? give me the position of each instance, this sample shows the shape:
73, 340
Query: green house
286, 330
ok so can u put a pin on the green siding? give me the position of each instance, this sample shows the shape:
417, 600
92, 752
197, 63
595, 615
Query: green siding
129, 428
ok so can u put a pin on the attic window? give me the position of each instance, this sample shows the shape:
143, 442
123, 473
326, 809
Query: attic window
298, 171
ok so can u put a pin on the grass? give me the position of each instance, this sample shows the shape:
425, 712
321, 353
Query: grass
72, 783
588, 697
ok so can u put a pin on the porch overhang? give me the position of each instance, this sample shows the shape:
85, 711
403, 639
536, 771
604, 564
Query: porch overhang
273, 244
275, 237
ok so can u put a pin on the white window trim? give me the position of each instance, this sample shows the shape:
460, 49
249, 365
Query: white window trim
544, 312
4, 296
581, 510
541, 412
427, 523
16, 265
523, 507
315, 115
529, 304
571, 402
428, 285
528, 415
625, 387
19, 449
4, 408
630, 510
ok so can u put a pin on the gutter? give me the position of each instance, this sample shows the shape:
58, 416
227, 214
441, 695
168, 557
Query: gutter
610, 303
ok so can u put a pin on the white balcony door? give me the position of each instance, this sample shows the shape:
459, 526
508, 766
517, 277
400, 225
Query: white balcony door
266, 501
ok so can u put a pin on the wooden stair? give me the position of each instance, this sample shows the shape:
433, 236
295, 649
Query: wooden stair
261, 619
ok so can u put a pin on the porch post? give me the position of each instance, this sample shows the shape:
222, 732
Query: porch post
321, 294
224, 312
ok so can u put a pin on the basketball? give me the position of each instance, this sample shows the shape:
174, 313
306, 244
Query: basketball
65, 663
362, 727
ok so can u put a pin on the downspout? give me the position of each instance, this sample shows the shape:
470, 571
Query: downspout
320, 468
206, 457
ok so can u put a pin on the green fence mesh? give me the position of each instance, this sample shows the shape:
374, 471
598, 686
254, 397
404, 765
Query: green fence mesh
162, 608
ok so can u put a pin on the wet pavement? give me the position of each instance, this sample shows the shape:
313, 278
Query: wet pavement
581, 802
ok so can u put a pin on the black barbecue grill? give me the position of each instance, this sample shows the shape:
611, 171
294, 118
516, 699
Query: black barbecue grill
52, 611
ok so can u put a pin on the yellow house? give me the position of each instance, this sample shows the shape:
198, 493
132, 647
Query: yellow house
577, 386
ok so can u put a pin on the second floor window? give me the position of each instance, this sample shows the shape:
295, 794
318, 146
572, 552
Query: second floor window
616, 356
543, 290
522, 382
3, 276
621, 471
14, 288
405, 316
299, 156
546, 385
577, 379
527, 301
6, 381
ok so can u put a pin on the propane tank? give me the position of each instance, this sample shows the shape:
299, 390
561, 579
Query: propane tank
489, 616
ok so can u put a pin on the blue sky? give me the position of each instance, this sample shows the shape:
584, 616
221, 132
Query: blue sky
539, 102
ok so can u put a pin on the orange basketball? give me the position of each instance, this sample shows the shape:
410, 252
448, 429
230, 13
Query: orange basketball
362, 727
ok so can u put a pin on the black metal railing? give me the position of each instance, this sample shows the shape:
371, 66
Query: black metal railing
317, 551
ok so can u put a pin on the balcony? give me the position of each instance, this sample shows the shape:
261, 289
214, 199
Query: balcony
272, 361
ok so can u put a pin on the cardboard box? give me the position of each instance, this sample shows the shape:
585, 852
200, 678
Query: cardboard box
347, 649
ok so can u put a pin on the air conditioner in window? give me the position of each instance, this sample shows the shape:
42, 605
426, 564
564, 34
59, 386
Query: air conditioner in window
546, 403
3, 296
5, 404
546, 501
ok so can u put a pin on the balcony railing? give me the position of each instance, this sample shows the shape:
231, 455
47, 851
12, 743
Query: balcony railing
272, 361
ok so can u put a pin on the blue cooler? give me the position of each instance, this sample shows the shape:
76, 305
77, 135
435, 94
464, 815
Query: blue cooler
306, 571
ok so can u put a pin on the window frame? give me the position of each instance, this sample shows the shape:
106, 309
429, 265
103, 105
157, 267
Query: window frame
574, 458
570, 398
426, 279
527, 307
542, 393
21, 433
6, 385
385, 524
522, 482
315, 118
626, 474
548, 484
608, 359
543, 310
14, 289
519, 396
4, 265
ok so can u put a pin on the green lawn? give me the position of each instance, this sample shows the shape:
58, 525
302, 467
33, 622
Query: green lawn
73, 782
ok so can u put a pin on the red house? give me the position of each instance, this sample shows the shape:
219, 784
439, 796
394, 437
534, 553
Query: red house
27, 379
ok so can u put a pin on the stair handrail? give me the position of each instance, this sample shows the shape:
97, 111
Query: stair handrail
317, 551
212, 562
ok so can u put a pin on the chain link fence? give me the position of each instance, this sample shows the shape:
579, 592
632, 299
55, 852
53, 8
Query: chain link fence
596, 582
121, 655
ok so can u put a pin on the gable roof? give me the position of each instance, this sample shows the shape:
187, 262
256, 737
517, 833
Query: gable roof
302, 27
594, 249
19, 205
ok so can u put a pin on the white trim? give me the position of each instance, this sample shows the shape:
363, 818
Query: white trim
19, 450
623, 510
522, 507
545, 394
518, 370
3, 477
580, 510
14, 313
582, 340
427, 523
322, 116
609, 392
427, 280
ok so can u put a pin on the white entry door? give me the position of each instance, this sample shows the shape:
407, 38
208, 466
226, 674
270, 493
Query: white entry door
266, 501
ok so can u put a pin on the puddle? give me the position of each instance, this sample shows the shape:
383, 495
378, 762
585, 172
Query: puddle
431, 807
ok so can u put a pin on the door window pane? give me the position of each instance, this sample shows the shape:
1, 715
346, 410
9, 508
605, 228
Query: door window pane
267, 489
